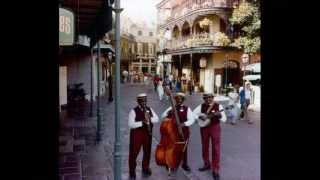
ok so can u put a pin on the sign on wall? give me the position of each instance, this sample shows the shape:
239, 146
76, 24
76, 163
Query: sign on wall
66, 27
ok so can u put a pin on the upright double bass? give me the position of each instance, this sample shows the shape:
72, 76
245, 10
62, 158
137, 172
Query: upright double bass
172, 144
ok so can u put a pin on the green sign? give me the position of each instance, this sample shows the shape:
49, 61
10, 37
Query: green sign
66, 27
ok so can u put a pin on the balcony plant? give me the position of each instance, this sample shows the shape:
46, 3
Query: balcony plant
221, 39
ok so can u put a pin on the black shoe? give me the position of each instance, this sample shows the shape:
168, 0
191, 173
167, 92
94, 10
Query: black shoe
132, 175
186, 168
146, 172
204, 168
215, 176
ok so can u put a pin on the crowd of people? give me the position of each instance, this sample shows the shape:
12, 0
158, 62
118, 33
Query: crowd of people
175, 84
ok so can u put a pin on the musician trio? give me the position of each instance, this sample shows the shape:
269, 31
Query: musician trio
171, 152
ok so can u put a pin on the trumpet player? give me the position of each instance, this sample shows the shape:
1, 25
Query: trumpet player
140, 121
209, 114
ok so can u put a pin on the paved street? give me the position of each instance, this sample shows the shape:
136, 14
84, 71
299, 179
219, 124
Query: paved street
240, 158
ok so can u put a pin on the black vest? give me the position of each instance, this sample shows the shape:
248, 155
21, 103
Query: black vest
140, 116
204, 108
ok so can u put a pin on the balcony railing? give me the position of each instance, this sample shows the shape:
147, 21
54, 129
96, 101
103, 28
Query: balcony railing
199, 40
186, 7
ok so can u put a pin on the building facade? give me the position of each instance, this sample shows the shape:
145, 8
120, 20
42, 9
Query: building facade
145, 48
194, 37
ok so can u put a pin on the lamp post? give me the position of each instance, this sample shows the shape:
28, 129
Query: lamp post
117, 144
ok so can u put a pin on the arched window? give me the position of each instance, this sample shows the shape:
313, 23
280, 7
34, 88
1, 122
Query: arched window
140, 33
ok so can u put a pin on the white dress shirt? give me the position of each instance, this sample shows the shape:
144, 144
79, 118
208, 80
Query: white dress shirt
190, 116
132, 122
247, 93
197, 112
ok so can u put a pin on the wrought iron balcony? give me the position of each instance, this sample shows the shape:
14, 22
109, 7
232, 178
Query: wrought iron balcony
187, 6
218, 39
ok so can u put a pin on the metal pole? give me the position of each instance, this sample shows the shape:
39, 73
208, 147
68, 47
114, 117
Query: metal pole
164, 66
226, 85
91, 85
180, 67
110, 81
191, 75
98, 96
117, 145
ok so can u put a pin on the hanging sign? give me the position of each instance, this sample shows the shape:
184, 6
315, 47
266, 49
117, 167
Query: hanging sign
66, 27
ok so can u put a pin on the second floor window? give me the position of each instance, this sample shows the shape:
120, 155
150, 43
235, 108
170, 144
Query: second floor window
140, 33
150, 33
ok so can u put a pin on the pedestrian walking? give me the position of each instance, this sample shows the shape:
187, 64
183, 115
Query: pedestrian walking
184, 83
245, 100
233, 113
170, 81
156, 82
160, 90
210, 112
140, 121
178, 85
186, 117
190, 87
125, 74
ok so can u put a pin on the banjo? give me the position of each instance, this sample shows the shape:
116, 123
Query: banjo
205, 119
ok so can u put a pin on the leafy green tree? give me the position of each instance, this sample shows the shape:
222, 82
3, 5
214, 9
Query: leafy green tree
247, 18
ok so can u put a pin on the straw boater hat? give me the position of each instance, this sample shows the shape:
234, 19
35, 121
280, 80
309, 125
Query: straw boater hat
207, 94
180, 94
141, 96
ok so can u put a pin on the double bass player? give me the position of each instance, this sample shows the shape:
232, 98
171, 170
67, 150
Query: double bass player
140, 121
186, 119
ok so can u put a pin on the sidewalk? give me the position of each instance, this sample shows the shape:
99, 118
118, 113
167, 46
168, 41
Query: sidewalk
81, 158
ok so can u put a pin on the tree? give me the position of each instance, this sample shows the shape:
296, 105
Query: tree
247, 18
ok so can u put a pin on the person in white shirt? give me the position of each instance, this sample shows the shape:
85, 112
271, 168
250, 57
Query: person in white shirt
245, 100
233, 111
208, 115
186, 118
140, 121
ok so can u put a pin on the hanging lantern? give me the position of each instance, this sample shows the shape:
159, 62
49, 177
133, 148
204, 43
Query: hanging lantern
203, 62
204, 22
